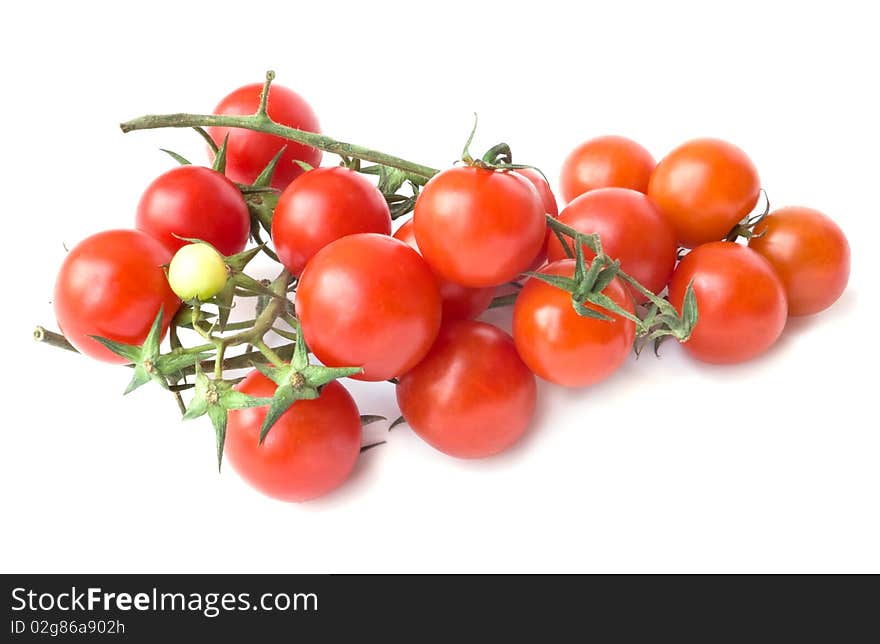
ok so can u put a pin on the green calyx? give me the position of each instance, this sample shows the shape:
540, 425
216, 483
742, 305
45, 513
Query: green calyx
590, 280
298, 380
216, 398
149, 364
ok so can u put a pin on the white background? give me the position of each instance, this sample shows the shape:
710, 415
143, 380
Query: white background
669, 466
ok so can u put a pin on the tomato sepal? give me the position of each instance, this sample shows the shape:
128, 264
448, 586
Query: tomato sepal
219, 164
147, 361
180, 159
298, 380
216, 398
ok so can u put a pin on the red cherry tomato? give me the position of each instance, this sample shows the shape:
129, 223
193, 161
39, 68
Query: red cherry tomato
471, 396
632, 229
479, 227
249, 152
459, 302
321, 206
563, 347
112, 285
740, 300
550, 208
195, 203
810, 254
309, 451
704, 188
606, 162
370, 301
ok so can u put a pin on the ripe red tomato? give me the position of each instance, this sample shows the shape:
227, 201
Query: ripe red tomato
370, 301
194, 203
471, 396
321, 206
310, 450
248, 152
459, 302
479, 227
112, 284
632, 229
704, 187
550, 208
810, 254
543, 188
740, 299
606, 162
563, 347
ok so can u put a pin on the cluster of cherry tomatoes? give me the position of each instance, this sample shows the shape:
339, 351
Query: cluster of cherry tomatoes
401, 307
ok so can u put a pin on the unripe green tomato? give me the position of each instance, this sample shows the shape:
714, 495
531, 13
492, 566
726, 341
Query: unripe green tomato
197, 270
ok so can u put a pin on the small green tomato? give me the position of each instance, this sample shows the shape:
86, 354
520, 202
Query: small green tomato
197, 270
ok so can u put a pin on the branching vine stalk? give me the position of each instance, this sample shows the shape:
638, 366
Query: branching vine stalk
185, 368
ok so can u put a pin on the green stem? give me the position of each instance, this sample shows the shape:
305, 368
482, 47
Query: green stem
260, 122
273, 357
51, 338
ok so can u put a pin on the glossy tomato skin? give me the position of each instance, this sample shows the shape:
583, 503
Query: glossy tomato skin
459, 302
740, 300
321, 206
370, 301
309, 451
606, 162
479, 227
550, 208
248, 152
112, 285
563, 347
810, 254
704, 188
472, 396
191, 202
632, 229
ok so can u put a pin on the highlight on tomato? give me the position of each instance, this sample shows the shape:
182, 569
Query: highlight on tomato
471, 396
606, 162
459, 302
705, 187
810, 254
310, 450
369, 301
190, 202
321, 206
631, 228
740, 298
249, 152
560, 345
479, 227
113, 285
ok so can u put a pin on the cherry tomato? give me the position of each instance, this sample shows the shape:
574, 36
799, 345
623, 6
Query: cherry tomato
249, 152
606, 162
740, 300
195, 203
309, 451
810, 254
479, 227
459, 302
471, 396
704, 187
112, 285
321, 206
632, 229
197, 271
370, 301
563, 347
550, 208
